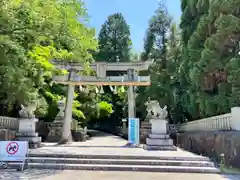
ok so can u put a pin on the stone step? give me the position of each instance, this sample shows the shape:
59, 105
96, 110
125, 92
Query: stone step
145, 123
110, 167
160, 148
159, 136
121, 162
145, 131
145, 128
106, 156
26, 134
159, 142
31, 139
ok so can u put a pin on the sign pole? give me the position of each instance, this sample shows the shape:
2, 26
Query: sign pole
24, 159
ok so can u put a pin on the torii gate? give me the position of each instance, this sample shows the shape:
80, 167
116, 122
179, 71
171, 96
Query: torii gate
131, 79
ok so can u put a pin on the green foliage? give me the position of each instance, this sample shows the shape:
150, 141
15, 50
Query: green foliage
195, 70
89, 106
114, 45
105, 109
52, 99
134, 56
210, 44
32, 34
114, 40
199, 71
76, 112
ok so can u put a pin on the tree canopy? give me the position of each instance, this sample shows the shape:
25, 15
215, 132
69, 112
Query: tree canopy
210, 44
196, 70
114, 40
33, 33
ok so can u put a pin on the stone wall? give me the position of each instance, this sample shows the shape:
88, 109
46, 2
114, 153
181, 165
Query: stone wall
8, 123
145, 130
7, 135
213, 144
228, 122
51, 132
8, 128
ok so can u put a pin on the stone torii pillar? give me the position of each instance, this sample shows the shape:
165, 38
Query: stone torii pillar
68, 109
131, 95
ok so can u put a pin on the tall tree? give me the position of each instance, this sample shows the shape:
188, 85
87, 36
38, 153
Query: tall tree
210, 43
189, 20
156, 36
155, 47
162, 44
114, 40
114, 45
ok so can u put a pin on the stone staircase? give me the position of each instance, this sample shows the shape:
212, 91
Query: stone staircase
106, 152
121, 163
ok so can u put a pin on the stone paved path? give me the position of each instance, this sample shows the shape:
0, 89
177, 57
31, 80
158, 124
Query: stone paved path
95, 175
105, 144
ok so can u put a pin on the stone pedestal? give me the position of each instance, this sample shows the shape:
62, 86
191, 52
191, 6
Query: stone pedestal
27, 132
159, 139
55, 128
145, 130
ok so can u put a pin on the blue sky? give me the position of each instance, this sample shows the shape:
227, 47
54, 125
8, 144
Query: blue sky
136, 13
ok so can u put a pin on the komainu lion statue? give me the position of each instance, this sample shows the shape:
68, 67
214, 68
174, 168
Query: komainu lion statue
28, 111
155, 111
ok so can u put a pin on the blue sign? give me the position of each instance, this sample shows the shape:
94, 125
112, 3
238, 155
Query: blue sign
133, 130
